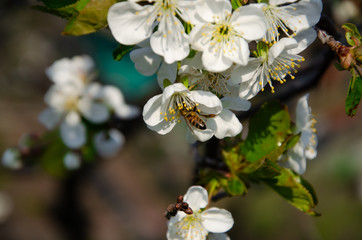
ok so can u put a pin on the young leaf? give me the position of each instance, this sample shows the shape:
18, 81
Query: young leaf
92, 16
354, 94
235, 186
351, 32
268, 129
295, 190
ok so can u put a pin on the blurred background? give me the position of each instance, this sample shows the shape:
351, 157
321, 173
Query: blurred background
125, 197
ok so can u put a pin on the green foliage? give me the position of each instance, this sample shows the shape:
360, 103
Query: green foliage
85, 16
185, 81
352, 34
267, 131
121, 51
236, 3
235, 186
354, 94
292, 187
262, 49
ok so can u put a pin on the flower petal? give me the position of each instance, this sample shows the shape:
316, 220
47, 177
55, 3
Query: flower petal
196, 197
235, 103
208, 102
145, 60
167, 71
49, 118
93, 111
170, 40
226, 124
249, 21
218, 236
302, 113
217, 220
304, 39
73, 136
108, 144
128, 25
152, 111
72, 161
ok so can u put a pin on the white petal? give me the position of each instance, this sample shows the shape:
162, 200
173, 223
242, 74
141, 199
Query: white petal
163, 127
245, 73
202, 135
72, 118
113, 97
93, 111
145, 60
302, 113
196, 197
235, 103
214, 8
152, 111
208, 102
128, 25
304, 39
72, 161
11, 158
172, 89
226, 123
217, 220
302, 15
238, 52
280, 2
279, 47
170, 40
249, 21
49, 118
73, 136
214, 60
167, 71
296, 159
109, 144
200, 36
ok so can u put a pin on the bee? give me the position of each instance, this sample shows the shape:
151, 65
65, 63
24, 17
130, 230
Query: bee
192, 117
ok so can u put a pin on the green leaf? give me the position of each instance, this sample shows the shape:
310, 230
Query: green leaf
121, 51
351, 32
268, 129
66, 12
268, 170
354, 94
92, 16
295, 190
58, 3
235, 186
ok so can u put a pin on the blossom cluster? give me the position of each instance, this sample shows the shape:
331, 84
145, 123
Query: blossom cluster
200, 51
75, 99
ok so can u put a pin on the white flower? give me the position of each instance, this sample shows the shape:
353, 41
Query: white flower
131, 23
223, 36
163, 111
67, 104
148, 63
79, 70
196, 226
291, 16
296, 157
275, 63
72, 161
11, 158
108, 144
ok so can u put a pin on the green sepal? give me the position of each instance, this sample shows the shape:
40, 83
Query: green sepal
185, 81
352, 32
338, 67
121, 51
354, 94
166, 83
268, 129
262, 49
